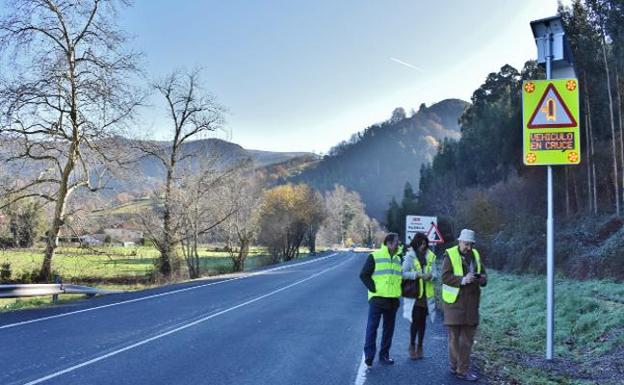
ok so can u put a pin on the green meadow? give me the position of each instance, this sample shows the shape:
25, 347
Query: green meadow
589, 331
112, 268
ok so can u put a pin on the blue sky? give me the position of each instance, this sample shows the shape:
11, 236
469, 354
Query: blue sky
303, 75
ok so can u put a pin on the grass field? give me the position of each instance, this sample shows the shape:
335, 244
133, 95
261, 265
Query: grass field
113, 268
589, 331
80, 264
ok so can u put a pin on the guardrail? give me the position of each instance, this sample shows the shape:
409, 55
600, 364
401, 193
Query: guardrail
54, 289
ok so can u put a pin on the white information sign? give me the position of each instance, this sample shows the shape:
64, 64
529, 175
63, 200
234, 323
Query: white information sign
418, 224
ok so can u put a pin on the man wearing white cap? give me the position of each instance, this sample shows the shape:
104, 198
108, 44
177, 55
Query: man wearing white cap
463, 275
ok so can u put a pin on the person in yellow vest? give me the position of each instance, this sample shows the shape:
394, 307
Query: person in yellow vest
419, 265
381, 274
401, 249
463, 275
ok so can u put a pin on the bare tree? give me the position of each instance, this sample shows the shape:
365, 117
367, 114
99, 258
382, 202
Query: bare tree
67, 91
317, 217
373, 233
612, 120
203, 204
618, 107
599, 9
244, 195
192, 113
591, 159
344, 223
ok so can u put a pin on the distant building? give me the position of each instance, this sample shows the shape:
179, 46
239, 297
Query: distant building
92, 239
124, 235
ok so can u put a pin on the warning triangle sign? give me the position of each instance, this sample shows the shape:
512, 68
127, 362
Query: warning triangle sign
434, 235
551, 111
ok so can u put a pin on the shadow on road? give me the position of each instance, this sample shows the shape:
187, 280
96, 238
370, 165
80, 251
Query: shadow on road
433, 369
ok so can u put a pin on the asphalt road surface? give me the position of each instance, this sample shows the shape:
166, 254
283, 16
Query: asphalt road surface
301, 323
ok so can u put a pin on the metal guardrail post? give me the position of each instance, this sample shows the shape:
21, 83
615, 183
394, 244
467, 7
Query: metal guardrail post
57, 280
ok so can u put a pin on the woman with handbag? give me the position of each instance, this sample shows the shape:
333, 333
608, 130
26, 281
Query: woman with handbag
417, 287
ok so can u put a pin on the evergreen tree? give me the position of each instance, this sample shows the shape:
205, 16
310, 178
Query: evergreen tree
393, 217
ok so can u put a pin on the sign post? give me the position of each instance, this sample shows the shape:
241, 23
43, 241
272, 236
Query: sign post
551, 132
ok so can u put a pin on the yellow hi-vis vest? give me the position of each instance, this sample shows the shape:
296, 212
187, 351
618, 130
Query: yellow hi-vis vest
450, 293
428, 285
387, 275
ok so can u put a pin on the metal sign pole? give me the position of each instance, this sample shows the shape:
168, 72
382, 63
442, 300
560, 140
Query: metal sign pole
550, 260
554, 51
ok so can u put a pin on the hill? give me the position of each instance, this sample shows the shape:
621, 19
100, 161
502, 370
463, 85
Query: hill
268, 158
378, 161
145, 173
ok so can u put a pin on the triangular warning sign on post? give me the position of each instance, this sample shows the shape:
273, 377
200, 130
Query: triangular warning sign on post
551, 111
434, 235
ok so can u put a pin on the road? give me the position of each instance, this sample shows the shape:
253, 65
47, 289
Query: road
301, 323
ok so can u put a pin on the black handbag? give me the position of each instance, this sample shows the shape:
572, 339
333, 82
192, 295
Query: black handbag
409, 288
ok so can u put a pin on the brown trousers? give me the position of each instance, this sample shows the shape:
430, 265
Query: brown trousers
460, 340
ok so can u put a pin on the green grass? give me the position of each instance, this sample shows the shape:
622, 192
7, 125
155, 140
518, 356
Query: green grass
589, 326
73, 263
112, 268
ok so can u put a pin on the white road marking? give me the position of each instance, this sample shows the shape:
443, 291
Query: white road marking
163, 294
360, 379
100, 358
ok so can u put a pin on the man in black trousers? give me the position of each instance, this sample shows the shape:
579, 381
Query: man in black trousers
381, 274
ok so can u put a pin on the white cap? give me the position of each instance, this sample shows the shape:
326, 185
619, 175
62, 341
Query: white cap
467, 235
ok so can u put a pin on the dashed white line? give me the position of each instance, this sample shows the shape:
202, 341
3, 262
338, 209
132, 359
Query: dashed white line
162, 294
186, 326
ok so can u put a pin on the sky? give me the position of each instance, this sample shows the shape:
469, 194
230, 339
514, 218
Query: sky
303, 75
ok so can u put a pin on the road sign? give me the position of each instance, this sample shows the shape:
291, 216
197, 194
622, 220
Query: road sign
434, 235
550, 110
418, 224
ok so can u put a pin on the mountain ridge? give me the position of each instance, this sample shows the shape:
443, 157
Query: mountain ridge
378, 161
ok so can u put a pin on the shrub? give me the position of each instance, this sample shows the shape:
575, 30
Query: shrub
7, 242
29, 276
224, 269
5, 272
609, 228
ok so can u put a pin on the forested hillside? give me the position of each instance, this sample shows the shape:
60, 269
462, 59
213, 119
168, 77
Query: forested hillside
378, 161
480, 181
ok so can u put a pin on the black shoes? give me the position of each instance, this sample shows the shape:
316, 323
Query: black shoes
382, 360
